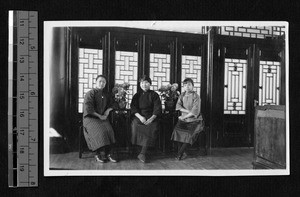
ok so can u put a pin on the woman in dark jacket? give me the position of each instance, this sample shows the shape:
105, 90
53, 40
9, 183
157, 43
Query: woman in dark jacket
98, 132
146, 107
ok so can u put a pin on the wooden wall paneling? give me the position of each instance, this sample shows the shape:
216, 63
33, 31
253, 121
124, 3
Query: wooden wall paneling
173, 52
235, 127
67, 92
209, 74
204, 80
72, 89
218, 94
143, 56
127, 41
253, 90
57, 80
106, 44
111, 60
163, 44
251, 84
274, 50
177, 66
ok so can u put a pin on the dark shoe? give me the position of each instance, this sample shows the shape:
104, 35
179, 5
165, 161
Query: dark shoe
110, 158
181, 157
142, 158
100, 158
177, 157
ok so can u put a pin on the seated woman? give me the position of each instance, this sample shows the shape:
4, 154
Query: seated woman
145, 107
189, 124
98, 132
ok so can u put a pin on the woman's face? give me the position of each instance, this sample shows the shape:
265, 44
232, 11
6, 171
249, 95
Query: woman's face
188, 87
145, 85
100, 83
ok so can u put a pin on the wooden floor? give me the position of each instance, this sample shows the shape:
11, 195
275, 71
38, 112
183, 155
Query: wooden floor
220, 158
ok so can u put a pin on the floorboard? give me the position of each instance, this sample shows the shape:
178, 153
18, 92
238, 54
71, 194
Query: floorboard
220, 158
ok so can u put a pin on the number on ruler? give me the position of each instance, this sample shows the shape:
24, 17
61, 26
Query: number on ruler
22, 150
22, 132
21, 168
22, 60
22, 114
22, 23
22, 42
22, 78
22, 96
32, 93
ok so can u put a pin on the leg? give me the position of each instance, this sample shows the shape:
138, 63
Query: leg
108, 153
101, 151
142, 155
100, 156
108, 150
181, 153
179, 144
182, 149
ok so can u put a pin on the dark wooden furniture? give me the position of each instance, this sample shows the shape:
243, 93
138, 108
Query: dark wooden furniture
270, 137
168, 120
121, 123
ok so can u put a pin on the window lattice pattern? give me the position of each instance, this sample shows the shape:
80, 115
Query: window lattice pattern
269, 82
159, 70
90, 65
252, 31
235, 81
191, 67
127, 71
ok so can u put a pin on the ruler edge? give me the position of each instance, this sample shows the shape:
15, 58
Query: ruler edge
10, 98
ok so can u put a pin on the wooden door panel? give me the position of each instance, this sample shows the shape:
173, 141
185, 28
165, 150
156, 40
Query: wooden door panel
235, 81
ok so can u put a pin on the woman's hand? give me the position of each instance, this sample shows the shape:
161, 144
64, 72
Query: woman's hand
181, 118
184, 110
102, 117
150, 120
142, 119
106, 113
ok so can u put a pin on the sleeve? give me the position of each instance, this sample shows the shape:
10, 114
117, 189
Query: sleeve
89, 107
111, 102
196, 105
179, 104
135, 104
156, 104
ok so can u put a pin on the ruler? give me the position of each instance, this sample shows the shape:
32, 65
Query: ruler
23, 99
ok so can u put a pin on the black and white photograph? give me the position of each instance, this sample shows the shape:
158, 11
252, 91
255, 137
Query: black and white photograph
166, 98
149, 98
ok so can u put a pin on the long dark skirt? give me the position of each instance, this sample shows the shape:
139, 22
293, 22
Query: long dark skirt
97, 133
143, 135
187, 132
